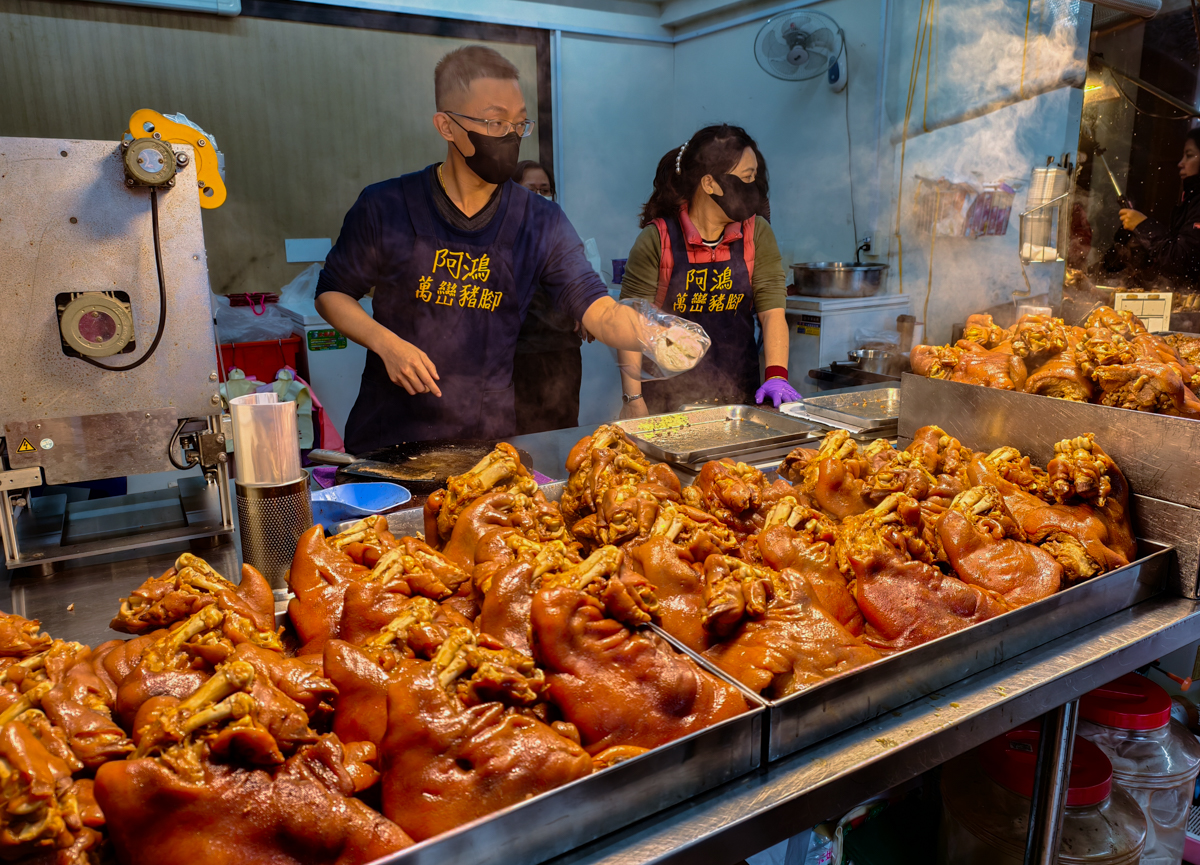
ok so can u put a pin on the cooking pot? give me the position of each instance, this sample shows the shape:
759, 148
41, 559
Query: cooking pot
872, 360
838, 279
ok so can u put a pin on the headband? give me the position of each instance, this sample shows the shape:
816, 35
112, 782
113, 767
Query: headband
679, 156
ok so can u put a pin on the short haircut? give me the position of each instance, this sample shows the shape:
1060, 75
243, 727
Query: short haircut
455, 72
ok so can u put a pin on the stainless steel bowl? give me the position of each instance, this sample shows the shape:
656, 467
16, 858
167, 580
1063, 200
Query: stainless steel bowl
838, 279
872, 360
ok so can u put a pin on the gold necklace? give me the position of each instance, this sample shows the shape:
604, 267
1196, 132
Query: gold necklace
441, 179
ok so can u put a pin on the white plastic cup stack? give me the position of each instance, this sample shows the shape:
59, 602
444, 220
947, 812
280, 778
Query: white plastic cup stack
266, 439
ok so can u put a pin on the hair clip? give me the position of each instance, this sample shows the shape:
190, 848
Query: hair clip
679, 157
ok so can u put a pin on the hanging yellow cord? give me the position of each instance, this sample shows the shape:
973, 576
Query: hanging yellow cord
924, 19
937, 210
1025, 48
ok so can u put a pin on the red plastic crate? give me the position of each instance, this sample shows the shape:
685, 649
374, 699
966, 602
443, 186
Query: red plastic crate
259, 360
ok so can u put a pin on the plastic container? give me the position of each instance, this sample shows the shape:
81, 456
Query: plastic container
986, 798
355, 501
1153, 757
259, 359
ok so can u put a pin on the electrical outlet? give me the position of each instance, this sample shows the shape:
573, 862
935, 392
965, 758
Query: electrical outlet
865, 243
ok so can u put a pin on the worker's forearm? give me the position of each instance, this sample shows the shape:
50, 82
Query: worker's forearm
614, 325
347, 315
630, 361
775, 336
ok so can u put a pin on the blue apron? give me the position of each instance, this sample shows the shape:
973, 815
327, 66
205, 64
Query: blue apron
718, 296
457, 300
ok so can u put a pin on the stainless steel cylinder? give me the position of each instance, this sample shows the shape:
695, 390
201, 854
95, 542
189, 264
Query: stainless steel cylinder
271, 519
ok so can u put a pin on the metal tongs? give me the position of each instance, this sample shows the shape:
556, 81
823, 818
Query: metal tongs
1121, 199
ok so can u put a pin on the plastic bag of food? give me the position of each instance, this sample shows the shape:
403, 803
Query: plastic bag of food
301, 293
670, 344
241, 323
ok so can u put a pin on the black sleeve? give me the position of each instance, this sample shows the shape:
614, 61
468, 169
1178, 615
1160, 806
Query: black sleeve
351, 266
568, 276
1173, 254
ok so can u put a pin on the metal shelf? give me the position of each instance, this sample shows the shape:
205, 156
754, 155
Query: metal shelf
759, 810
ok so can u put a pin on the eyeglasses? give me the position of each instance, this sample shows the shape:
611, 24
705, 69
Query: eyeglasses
497, 128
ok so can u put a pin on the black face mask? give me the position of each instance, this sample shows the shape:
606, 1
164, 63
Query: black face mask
740, 200
495, 158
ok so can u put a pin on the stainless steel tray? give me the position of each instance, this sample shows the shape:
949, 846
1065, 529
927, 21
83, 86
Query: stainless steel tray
582, 811
864, 408
836, 704
712, 433
1157, 453
569, 816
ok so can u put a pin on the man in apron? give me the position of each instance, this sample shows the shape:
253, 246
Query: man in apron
455, 253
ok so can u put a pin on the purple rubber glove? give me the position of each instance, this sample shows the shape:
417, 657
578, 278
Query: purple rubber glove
778, 390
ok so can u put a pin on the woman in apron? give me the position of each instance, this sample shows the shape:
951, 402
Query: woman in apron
707, 255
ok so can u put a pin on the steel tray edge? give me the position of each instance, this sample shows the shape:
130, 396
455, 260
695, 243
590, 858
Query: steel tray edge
805, 718
567, 817
814, 406
652, 450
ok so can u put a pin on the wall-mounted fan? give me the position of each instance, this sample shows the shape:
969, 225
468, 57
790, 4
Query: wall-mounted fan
802, 44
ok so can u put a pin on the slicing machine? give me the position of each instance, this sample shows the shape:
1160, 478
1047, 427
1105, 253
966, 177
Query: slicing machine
108, 354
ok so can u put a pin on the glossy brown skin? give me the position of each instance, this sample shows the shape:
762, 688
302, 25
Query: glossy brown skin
504, 613
1147, 386
319, 577
445, 765
984, 553
250, 599
1061, 376
730, 491
619, 687
907, 602
301, 812
814, 560
486, 514
840, 491
970, 363
369, 607
92, 736
361, 713
42, 803
21, 637
797, 644
678, 585
1126, 324
1105, 533
299, 679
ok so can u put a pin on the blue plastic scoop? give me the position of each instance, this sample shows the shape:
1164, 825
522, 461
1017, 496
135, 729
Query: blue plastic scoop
355, 501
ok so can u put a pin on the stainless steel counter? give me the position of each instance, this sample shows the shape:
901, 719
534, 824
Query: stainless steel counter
827, 779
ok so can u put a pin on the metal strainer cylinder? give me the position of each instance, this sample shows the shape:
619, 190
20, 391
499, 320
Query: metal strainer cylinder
271, 519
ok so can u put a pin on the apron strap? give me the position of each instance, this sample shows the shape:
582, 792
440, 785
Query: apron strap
748, 246
666, 262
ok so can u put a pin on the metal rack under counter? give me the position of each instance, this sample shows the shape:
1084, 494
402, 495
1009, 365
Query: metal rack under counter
748, 815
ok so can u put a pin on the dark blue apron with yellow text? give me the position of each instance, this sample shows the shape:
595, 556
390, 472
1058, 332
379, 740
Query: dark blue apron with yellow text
456, 300
717, 296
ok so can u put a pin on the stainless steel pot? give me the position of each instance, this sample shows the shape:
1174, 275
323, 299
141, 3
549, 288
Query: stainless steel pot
872, 360
838, 279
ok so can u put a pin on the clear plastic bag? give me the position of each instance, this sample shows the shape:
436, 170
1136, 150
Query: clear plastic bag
301, 293
241, 324
670, 344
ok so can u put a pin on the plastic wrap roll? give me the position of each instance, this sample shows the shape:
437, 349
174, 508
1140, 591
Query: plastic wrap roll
265, 438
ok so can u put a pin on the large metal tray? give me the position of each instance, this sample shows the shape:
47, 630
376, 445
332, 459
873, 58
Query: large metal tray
569, 816
1156, 453
582, 811
836, 704
864, 408
700, 435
